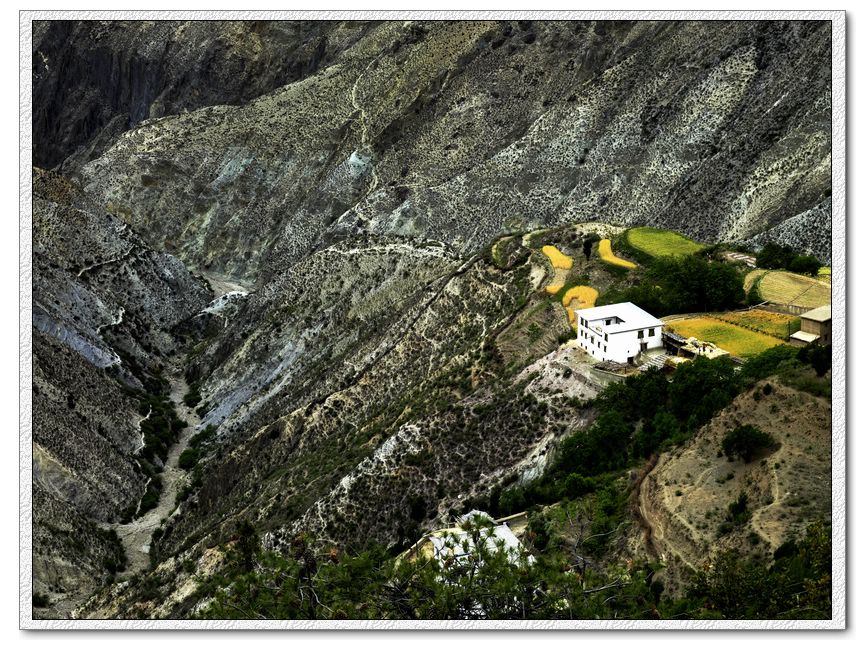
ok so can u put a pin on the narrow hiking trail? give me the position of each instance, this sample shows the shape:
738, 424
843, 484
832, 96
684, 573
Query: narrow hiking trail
137, 534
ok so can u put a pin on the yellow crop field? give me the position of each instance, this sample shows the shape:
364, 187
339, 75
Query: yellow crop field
584, 295
825, 270
790, 288
605, 249
558, 258
767, 322
736, 340
579, 297
657, 242
553, 289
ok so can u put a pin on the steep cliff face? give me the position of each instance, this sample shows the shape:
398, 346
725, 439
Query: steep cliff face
459, 131
93, 80
98, 288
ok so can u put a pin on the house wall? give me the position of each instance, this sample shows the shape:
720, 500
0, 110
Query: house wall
619, 346
824, 329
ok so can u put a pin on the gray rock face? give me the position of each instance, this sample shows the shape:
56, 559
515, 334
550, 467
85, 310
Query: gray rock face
98, 287
810, 231
458, 131
93, 80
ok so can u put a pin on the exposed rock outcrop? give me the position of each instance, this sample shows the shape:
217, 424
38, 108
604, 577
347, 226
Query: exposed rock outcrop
93, 80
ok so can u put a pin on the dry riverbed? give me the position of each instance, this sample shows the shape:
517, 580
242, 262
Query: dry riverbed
137, 534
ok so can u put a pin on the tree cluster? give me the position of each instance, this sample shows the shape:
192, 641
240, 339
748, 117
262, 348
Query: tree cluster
778, 256
484, 581
676, 285
745, 442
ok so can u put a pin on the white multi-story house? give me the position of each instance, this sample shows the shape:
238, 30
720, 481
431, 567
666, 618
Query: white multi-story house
618, 332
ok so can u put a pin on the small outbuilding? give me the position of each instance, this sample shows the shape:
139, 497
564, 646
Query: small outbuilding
816, 326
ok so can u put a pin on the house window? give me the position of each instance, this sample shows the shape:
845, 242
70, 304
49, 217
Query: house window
606, 337
605, 348
652, 331
640, 334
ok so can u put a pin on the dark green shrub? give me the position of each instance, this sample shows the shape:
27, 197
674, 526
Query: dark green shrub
806, 264
737, 511
745, 441
149, 500
819, 356
576, 485
188, 459
192, 397
775, 256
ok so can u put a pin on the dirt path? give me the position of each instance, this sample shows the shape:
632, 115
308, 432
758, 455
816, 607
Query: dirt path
137, 534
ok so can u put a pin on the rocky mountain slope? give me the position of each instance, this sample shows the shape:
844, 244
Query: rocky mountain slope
372, 365
458, 131
93, 80
104, 307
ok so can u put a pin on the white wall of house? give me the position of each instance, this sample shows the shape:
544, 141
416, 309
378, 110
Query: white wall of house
605, 336
620, 346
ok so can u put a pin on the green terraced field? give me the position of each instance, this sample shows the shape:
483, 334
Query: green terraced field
657, 242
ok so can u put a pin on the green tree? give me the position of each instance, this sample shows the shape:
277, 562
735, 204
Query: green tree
701, 388
649, 437
775, 256
602, 448
819, 356
795, 585
806, 264
188, 458
745, 441
683, 284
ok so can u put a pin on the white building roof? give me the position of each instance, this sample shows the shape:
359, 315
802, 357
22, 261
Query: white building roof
458, 543
632, 317
820, 314
807, 337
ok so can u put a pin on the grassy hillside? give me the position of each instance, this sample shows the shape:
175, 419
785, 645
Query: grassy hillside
790, 288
